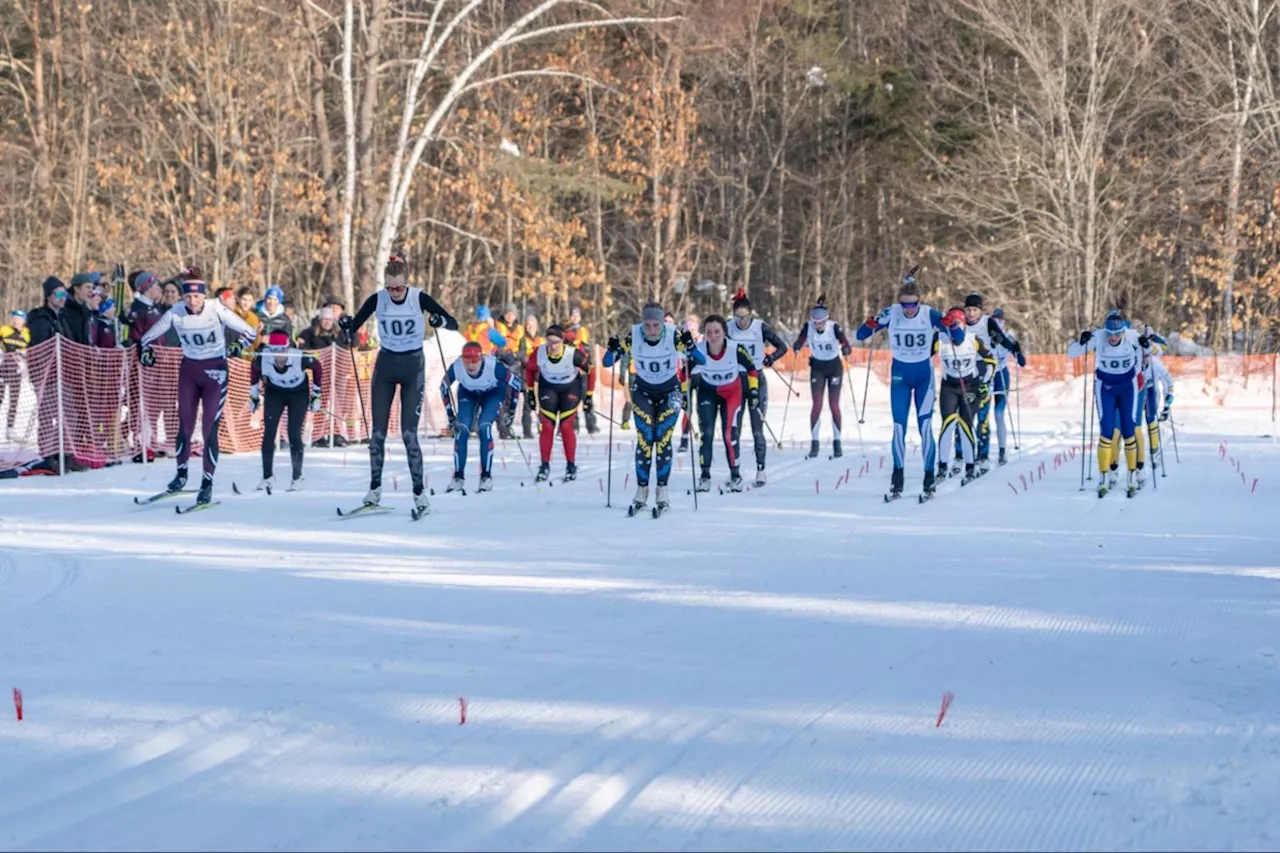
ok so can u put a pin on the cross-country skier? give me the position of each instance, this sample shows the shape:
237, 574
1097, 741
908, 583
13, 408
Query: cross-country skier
400, 364
967, 370
1002, 386
485, 386
992, 335
281, 372
753, 333
911, 327
1116, 367
827, 348
724, 384
553, 383
202, 377
656, 350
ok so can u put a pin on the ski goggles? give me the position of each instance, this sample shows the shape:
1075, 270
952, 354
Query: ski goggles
910, 306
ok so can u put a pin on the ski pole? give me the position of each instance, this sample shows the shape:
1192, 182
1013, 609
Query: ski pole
769, 429
866, 386
355, 374
693, 459
613, 393
1017, 433
1084, 415
1174, 426
790, 387
785, 408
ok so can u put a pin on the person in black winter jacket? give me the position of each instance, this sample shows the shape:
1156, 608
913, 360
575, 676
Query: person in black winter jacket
46, 321
77, 315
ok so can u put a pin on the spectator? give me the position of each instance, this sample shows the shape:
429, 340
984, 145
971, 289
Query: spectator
46, 321
321, 333
244, 308
226, 296
291, 313
336, 304
102, 329
272, 317
77, 313
14, 338
146, 307
172, 296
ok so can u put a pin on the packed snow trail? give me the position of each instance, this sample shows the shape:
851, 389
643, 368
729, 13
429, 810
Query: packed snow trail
763, 674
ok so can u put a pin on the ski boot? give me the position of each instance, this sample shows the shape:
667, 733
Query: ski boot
1141, 477
895, 485
420, 504
544, 472
1002, 459
179, 482
1103, 488
374, 497
836, 450
660, 504
570, 472
486, 482
205, 495
457, 484
267, 485
684, 444
296, 483
929, 489
1113, 476
734, 483
704, 482
957, 468
970, 474
984, 465
639, 501
813, 450
1134, 483
943, 472
760, 478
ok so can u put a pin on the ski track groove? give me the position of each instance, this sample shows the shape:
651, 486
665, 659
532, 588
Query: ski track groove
41, 594
92, 786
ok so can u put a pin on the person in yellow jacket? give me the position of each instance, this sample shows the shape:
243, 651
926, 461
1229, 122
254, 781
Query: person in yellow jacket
484, 331
15, 337
509, 327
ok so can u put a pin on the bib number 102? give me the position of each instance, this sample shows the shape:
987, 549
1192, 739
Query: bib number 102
399, 328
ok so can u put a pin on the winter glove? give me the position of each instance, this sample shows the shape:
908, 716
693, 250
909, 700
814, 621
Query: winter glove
753, 398
675, 400
451, 417
315, 398
685, 339
871, 324
614, 344
147, 356
235, 348
1168, 403
531, 398
255, 398
1022, 359
346, 324
1144, 341
509, 415
769, 359
1085, 337
435, 321
846, 350
588, 405
984, 391
968, 398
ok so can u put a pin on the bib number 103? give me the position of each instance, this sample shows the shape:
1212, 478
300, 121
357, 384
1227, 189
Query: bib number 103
910, 340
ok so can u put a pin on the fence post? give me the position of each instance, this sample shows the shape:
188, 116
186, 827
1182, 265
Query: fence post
1275, 367
62, 423
333, 393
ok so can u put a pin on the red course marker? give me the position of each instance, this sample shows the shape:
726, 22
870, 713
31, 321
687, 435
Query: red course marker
462, 710
946, 703
17, 703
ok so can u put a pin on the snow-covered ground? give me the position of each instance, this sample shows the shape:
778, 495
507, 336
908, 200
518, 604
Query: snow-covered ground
763, 673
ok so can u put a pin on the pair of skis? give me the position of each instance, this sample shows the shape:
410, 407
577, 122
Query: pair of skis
378, 509
173, 493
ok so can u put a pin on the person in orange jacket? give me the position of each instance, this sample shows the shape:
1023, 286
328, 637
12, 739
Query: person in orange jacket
484, 331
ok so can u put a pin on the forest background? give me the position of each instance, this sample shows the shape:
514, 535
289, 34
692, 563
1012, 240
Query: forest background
1061, 156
